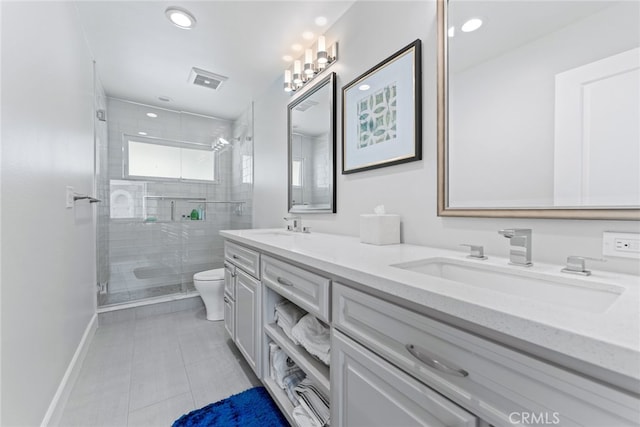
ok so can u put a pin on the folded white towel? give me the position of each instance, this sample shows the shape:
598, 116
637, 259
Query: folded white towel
290, 382
314, 337
273, 347
302, 417
287, 315
282, 366
313, 401
288, 310
286, 328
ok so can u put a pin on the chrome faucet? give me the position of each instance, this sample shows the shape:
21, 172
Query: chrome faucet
576, 265
520, 250
297, 223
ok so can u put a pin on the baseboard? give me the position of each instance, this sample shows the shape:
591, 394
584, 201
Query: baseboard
54, 413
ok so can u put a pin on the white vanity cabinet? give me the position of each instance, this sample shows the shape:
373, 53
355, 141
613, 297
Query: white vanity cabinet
248, 321
230, 299
501, 386
369, 391
243, 302
392, 362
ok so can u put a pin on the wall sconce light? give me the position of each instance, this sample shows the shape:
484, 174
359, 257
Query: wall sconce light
305, 71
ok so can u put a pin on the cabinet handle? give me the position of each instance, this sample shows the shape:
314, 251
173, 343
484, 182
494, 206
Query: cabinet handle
285, 282
226, 300
234, 256
431, 360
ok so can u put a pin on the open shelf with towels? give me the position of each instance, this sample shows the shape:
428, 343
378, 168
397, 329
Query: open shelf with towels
315, 369
312, 367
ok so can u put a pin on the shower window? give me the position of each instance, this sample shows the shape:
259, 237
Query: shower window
296, 172
163, 159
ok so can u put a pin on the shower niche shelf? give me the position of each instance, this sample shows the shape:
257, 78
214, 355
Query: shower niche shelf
165, 209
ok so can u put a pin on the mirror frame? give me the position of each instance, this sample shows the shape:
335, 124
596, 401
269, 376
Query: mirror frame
329, 80
444, 209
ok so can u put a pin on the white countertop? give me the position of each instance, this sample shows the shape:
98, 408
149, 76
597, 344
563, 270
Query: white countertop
609, 340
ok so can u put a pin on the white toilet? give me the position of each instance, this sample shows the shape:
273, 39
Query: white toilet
210, 284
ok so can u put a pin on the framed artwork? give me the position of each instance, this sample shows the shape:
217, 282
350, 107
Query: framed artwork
382, 113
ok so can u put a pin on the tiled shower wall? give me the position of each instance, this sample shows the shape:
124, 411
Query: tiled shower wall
147, 248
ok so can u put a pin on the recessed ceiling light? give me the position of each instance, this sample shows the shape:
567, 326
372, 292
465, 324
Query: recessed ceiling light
287, 58
320, 21
364, 87
207, 82
142, 133
296, 47
307, 35
164, 98
451, 32
180, 17
471, 25
152, 115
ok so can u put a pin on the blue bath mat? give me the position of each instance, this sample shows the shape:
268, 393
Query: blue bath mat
251, 408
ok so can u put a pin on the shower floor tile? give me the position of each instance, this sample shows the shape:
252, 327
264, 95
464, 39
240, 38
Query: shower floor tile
168, 365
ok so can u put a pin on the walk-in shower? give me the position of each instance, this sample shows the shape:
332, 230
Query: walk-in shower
170, 181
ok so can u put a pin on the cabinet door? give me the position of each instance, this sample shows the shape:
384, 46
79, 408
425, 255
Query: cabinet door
230, 279
229, 316
248, 323
368, 391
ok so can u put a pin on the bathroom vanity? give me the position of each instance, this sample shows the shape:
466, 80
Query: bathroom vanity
425, 336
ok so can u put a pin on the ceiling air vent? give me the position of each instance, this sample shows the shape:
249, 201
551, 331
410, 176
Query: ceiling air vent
305, 105
206, 78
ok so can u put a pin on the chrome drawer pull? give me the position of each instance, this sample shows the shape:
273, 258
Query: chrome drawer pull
234, 256
226, 300
285, 282
431, 360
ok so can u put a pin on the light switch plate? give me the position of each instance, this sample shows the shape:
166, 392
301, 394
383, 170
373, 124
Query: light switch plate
69, 197
619, 244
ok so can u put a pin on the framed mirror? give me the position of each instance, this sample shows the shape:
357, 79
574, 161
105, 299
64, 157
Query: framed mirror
538, 109
311, 118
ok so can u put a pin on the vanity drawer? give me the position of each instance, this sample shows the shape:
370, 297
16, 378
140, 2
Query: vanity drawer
499, 385
307, 290
245, 258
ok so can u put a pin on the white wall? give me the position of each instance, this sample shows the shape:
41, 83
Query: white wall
48, 252
368, 33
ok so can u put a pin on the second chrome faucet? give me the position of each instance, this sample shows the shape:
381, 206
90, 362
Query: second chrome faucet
520, 249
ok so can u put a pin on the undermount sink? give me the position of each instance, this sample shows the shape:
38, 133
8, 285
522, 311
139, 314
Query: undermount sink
588, 296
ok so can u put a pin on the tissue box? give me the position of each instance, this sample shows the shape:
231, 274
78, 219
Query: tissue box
380, 229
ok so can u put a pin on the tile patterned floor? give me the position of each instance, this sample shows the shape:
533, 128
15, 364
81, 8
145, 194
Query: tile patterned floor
148, 372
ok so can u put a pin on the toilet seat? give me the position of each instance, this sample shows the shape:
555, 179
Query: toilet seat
209, 275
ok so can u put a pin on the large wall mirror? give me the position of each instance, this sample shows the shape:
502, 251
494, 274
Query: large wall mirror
538, 109
312, 148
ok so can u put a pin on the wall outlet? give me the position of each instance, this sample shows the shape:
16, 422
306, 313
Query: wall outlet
623, 245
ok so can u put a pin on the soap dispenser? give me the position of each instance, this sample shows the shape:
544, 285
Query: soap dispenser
194, 215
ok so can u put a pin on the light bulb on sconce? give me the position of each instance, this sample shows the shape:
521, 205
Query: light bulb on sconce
297, 73
322, 50
307, 67
287, 81
308, 62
